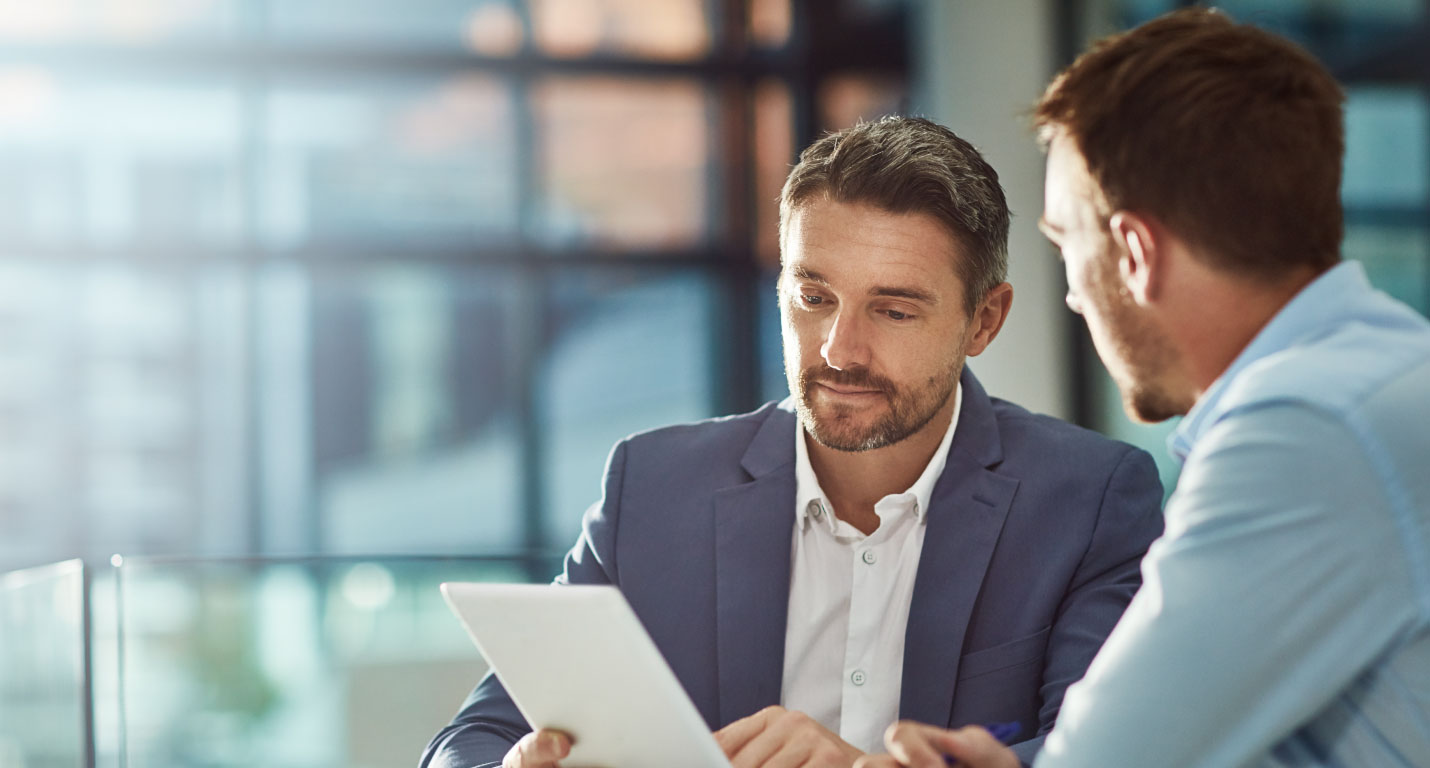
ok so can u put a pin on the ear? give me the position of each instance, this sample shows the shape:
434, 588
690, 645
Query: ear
1141, 259
988, 319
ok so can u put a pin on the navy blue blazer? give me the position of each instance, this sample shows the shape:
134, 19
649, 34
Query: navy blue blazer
1035, 534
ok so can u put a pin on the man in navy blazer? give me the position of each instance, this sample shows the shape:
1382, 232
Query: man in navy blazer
888, 543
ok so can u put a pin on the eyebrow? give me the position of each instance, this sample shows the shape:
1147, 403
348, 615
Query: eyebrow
799, 272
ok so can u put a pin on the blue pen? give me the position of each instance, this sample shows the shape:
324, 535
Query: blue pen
1003, 732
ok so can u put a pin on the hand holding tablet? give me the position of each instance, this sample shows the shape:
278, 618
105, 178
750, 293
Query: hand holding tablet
576, 659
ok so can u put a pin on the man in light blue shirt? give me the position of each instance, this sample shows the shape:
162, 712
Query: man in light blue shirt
1284, 617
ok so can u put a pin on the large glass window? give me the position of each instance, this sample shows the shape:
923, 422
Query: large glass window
382, 276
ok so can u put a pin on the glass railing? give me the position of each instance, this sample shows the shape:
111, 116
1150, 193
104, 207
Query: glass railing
303, 662
279, 662
44, 676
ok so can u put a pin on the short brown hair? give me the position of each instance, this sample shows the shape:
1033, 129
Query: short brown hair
1229, 135
912, 165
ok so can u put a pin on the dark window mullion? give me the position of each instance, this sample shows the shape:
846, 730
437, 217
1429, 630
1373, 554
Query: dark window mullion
531, 337
252, 110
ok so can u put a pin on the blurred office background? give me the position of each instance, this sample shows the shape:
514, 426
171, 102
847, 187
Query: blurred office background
308, 305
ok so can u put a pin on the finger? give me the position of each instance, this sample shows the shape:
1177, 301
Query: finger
913, 744
733, 737
756, 752
806, 747
777, 729
876, 761
976, 748
540, 749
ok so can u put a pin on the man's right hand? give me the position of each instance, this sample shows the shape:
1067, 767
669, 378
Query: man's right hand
538, 749
915, 745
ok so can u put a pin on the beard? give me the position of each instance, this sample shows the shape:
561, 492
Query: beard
1138, 355
838, 426
1148, 404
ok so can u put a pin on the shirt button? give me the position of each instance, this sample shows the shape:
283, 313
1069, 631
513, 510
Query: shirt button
816, 510
858, 677
869, 557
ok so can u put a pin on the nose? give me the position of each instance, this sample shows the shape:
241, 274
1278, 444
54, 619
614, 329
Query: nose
845, 345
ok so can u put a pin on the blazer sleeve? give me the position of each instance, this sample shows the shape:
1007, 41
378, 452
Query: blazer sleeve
489, 723
1129, 519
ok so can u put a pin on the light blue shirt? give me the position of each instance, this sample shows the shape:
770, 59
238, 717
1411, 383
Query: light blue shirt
1284, 617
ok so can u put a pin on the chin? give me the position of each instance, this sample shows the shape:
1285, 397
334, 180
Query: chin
840, 429
1150, 406
842, 425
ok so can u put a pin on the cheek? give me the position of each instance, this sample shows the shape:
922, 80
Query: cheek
1107, 338
800, 334
1075, 271
921, 356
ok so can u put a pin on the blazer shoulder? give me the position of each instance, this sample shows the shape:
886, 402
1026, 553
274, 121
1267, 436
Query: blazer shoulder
1029, 436
709, 445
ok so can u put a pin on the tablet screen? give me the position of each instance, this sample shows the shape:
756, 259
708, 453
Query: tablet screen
576, 658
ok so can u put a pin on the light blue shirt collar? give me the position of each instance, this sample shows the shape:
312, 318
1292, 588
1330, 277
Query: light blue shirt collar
1305, 314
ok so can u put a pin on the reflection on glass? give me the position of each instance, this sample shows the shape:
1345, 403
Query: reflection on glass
1334, 12
318, 664
1387, 155
490, 27
119, 397
774, 155
625, 161
1397, 260
94, 161
415, 409
121, 22
1135, 12
1328, 21
424, 161
493, 29
770, 22
42, 676
668, 29
847, 99
626, 355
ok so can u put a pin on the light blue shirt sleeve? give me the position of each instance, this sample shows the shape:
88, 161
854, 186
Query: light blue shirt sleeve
1280, 580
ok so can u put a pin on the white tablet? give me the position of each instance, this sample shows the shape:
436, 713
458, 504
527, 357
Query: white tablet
576, 658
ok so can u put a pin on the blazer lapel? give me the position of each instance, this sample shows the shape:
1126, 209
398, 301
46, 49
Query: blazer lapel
965, 518
754, 523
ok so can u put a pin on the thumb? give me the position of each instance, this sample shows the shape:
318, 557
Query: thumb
539, 749
976, 748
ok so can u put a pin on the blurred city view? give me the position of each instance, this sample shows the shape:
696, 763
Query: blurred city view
309, 305
351, 276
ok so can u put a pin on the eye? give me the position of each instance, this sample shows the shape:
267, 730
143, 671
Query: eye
812, 299
894, 314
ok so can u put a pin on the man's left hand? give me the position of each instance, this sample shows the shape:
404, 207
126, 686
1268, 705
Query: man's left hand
776, 737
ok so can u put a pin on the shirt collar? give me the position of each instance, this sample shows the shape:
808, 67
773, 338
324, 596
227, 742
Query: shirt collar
810, 497
1303, 316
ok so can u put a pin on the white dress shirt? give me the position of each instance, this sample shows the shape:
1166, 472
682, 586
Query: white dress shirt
849, 602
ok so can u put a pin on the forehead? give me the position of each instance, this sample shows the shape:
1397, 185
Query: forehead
854, 238
1069, 191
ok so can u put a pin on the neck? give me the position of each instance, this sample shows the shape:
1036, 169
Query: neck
855, 481
1224, 316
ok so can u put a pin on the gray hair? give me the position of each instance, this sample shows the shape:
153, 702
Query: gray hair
912, 165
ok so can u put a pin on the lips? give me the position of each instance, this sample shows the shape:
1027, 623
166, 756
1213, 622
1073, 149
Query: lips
848, 391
